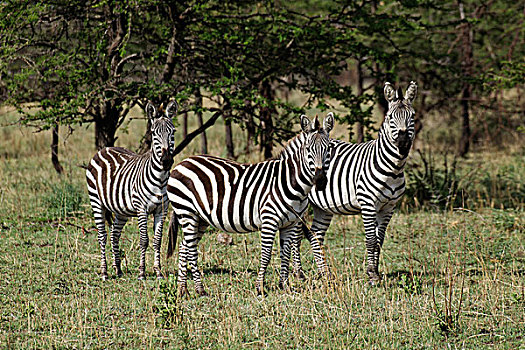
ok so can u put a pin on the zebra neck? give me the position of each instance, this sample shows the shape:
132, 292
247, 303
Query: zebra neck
156, 168
387, 154
296, 176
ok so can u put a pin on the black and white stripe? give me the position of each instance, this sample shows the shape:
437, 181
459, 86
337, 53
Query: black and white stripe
267, 196
366, 178
128, 185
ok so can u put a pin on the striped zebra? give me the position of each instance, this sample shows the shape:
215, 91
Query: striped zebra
267, 196
133, 185
365, 178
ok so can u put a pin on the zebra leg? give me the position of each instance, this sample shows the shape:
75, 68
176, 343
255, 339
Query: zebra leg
144, 241
188, 252
315, 236
158, 222
182, 273
193, 255
288, 238
116, 230
370, 223
268, 231
296, 255
383, 219
99, 212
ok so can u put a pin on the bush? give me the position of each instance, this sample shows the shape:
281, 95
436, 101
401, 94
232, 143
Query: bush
64, 200
448, 184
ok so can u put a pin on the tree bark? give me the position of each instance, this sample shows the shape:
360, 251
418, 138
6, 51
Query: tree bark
250, 132
204, 139
54, 151
464, 141
266, 121
106, 125
466, 65
185, 125
359, 123
229, 138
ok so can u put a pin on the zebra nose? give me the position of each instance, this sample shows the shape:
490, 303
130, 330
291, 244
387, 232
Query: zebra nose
320, 179
403, 141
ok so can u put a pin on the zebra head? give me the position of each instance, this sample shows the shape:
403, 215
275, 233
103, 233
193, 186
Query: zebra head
163, 133
399, 120
317, 147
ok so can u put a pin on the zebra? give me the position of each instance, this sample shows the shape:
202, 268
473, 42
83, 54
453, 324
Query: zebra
365, 178
266, 196
127, 184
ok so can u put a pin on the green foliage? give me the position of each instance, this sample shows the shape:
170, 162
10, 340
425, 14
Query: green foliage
64, 200
410, 283
52, 296
449, 184
169, 307
430, 184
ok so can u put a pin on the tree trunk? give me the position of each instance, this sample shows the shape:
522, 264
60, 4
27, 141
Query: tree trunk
250, 132
54, 150
466, 65
464, 141
266, 121
229, 139
359, 123
106, 125
204, 139
145, 143
185, 125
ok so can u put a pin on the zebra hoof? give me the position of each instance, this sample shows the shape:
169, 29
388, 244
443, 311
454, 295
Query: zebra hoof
374, 281
202, 293
160, 277
104, 277
141, 278
182, 291
300, 275
260, 291
285, 286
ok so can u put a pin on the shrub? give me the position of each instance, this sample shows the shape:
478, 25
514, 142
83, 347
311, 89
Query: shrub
65, 199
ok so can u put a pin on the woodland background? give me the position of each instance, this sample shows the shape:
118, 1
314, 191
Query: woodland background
76, 75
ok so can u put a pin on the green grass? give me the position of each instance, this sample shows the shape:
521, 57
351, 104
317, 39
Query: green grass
452, 279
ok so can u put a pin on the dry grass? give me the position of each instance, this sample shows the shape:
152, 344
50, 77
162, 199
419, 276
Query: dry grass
452, 279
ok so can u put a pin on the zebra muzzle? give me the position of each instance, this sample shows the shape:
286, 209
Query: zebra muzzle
166, 159
320, 179
403, 143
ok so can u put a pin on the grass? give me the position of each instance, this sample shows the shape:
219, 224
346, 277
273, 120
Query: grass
452, 279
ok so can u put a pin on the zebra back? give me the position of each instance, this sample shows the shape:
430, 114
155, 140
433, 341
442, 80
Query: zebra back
236, 197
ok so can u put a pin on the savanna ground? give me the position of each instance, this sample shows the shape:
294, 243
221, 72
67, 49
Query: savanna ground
453, 278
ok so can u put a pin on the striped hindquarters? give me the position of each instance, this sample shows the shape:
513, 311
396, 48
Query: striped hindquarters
346, 166
111, 177
226, 194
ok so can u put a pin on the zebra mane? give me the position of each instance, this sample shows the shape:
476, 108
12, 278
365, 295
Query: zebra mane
287, 146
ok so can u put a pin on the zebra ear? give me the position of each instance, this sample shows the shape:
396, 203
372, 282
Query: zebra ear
328, 122
410, 94
305, 123
151, 111
172, 109
390, 93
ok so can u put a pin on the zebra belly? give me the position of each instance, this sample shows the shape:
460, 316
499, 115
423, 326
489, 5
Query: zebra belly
338, 205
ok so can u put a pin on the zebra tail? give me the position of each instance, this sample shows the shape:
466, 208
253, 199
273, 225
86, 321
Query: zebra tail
172, 234
307, 232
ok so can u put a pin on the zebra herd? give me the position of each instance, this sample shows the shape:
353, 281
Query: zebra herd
332, 176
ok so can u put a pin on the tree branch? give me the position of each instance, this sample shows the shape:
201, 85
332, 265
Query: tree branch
196, 133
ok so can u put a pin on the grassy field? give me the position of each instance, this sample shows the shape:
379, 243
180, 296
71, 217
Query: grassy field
453, 278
